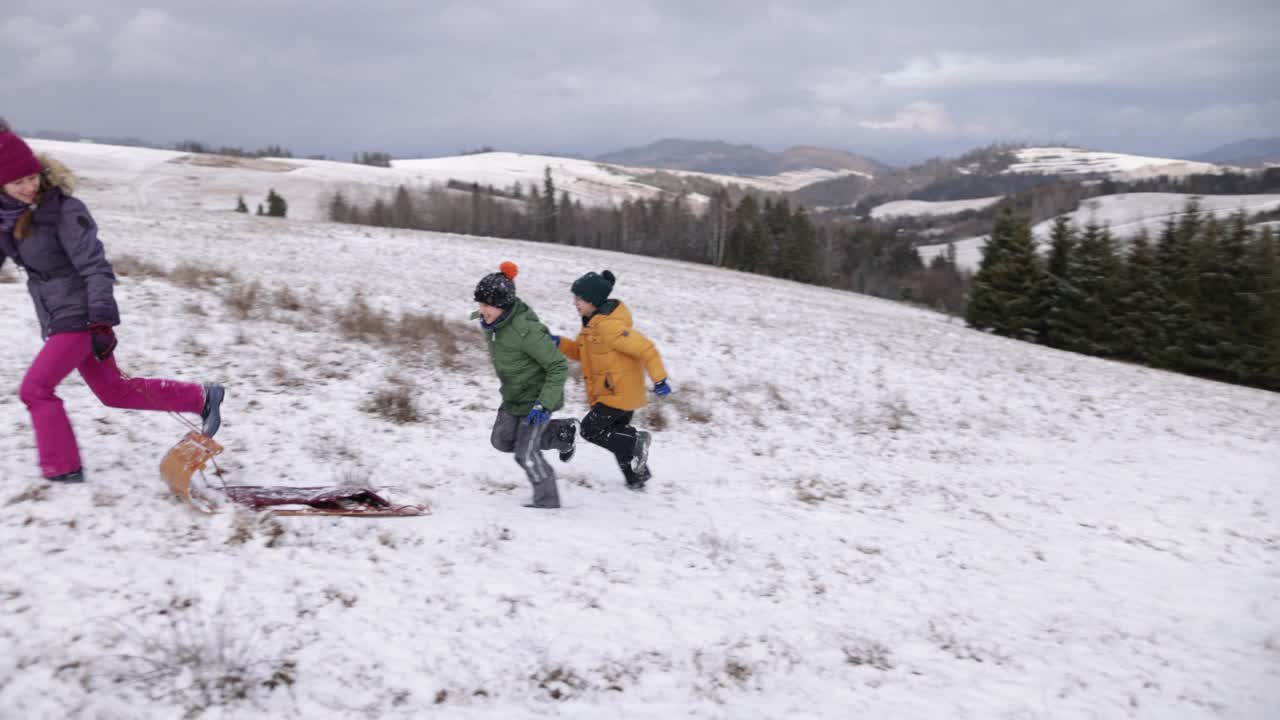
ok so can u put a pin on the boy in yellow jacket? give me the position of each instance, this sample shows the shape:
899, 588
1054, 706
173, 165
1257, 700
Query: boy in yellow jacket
614, 360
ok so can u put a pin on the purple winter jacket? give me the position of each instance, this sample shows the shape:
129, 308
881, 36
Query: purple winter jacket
68, 275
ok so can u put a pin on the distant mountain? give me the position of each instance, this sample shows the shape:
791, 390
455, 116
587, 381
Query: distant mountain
996, 170
713, 156
1251, 153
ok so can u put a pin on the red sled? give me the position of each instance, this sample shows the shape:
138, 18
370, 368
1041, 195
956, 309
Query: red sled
195, 450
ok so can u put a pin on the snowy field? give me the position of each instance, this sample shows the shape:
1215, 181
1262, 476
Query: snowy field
1127, 214
859, 509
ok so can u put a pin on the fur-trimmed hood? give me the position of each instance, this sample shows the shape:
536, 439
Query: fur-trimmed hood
55, 174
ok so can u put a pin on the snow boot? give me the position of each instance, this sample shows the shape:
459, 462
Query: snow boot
569, 435
640, 461
636, 480
211, 415
75, 476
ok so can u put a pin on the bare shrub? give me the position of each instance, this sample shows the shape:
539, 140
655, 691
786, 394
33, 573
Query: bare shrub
653, 418
560, 683
35, 493
814, 490
194, 308
358, 321
687, 406
249, 524
285, 299
394, 402
282, 377
198, 661
243, 298
775, 397
896, 414
190, 275
868, 653
491, 486
135, 267
419, 332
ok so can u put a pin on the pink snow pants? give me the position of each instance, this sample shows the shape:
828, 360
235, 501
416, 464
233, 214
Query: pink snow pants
64, 352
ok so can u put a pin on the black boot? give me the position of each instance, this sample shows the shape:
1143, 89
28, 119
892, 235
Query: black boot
569, 437
640, 461
75, 476
211, 415
635, 480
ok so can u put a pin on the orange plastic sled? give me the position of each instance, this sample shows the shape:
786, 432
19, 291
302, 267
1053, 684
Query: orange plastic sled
181, 463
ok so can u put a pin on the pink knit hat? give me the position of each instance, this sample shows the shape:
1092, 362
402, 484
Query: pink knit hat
16, 159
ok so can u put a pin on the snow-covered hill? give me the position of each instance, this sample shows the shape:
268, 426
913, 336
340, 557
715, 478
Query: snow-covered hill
1077, 161
931, 207
1127, 214
860, 509
163, 179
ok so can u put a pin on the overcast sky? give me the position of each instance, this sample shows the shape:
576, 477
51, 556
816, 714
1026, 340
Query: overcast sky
899, 81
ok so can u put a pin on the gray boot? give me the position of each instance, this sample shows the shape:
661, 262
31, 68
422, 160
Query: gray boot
211, 415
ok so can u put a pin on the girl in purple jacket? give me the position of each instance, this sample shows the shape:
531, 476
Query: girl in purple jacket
51, 235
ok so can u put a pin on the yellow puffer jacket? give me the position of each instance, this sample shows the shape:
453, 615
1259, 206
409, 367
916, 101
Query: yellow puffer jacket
614, 358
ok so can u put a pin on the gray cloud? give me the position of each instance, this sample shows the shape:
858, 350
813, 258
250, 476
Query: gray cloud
899, 80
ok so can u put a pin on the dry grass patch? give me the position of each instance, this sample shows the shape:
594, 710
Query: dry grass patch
412, 334
394, 402
197, 277
135, 267
242, 299
815, 490
358, 321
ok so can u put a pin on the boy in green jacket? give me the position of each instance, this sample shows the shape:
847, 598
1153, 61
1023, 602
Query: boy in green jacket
532, 372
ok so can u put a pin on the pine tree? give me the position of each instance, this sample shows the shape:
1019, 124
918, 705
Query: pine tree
1006, 286
1215, 348
240, 206
401, 209
745, 242
803, 254
566, 220
1262, 353
1138, 331
1176, 290
535, 222
1056, 283
276, 205
1086, 322
548, 209
339, 211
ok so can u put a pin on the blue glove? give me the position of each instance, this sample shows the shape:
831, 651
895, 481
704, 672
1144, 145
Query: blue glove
555, 339
537, 415
661, 388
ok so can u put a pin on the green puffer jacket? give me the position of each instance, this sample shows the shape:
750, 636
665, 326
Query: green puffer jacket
529, 366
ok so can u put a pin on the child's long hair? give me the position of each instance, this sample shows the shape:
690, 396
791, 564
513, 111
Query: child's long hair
23, 227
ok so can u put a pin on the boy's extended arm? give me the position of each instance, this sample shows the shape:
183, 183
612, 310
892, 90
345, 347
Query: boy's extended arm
629, 342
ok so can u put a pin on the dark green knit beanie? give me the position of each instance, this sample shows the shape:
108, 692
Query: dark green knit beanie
594, 288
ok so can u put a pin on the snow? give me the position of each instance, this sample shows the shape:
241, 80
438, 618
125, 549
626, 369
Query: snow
1127, 214
1073, 161
887, 514
931, 207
